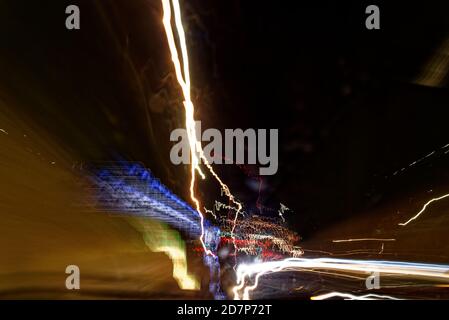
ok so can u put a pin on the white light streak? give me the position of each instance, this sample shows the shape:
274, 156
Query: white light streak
411, 269
423, 209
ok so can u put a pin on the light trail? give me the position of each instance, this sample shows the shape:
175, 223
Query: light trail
196, 152
183, 77
427, 271
363, 239
131, 189
423, 209
282, 210
420, 160
160, 238
349, 296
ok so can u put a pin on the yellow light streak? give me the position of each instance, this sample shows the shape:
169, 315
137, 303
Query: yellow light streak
160, 238
363, 239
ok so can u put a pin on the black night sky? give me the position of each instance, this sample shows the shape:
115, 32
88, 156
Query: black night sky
345, 99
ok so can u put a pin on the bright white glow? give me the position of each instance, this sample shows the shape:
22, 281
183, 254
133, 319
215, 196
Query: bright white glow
246, 271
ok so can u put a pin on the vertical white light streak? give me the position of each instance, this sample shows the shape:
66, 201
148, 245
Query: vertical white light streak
184, 82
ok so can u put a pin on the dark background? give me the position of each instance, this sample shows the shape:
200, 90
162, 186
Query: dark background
344, 98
